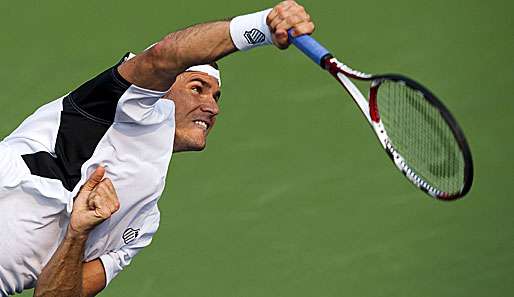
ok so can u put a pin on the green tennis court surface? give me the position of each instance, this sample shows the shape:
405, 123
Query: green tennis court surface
293, 196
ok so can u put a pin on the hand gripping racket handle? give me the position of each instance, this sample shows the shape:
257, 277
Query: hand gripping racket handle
310, 47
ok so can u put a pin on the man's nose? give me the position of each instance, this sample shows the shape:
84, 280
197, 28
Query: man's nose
211, 107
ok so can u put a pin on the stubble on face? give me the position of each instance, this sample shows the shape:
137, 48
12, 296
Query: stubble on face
195, 95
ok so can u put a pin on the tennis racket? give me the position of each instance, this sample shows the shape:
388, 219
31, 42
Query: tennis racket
416, 130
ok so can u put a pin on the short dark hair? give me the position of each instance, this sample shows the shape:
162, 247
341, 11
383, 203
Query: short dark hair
214, 65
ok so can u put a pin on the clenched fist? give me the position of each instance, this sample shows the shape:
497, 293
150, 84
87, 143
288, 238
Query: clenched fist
288, 15
96, 202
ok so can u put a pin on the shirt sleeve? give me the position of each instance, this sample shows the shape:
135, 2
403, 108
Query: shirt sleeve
116, 261
143, 107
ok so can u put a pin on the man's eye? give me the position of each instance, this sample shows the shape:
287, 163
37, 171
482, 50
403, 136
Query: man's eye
196, 90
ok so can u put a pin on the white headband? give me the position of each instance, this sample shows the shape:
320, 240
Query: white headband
208, 69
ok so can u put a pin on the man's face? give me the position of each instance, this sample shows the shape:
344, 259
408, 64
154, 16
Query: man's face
196, 96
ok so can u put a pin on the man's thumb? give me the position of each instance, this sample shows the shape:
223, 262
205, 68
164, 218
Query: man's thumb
94, 179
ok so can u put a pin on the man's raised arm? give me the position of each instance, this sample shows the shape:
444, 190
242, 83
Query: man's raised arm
157, 67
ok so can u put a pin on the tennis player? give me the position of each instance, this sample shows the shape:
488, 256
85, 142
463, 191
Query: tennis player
65, 241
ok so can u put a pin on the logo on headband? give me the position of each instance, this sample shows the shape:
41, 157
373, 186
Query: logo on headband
254, 36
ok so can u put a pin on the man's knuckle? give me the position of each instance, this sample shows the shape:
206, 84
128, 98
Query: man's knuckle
105, 211
106, 188
98, 194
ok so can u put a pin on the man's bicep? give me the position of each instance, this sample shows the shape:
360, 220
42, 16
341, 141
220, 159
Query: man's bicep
93, 277
144, 71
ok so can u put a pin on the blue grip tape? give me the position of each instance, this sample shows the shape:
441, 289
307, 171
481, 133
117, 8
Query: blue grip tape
309, 46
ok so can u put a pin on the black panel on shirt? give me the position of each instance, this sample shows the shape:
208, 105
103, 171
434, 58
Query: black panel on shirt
99, 96
87, 114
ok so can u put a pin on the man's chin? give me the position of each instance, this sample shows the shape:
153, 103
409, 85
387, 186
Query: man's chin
190, 147
198, 148
192, 140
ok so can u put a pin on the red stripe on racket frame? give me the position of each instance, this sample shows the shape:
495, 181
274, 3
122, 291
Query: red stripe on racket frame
373, 108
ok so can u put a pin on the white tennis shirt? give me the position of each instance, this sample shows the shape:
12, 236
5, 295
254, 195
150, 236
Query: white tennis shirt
50, 155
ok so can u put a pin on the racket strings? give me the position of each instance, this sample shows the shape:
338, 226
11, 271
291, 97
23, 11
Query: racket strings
421, 136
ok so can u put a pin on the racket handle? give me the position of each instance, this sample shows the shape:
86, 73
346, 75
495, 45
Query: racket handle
310, 47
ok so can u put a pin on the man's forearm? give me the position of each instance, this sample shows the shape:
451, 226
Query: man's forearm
62, 276
198, 44
158, 66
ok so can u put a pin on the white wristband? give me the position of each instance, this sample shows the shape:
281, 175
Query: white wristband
249, 31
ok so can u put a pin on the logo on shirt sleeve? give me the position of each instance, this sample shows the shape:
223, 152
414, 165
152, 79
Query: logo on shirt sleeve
129, 235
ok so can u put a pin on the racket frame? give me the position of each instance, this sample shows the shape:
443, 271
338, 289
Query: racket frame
369, 108
342, 73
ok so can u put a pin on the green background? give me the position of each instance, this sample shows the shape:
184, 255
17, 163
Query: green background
293, 196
